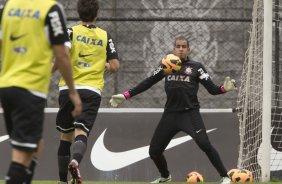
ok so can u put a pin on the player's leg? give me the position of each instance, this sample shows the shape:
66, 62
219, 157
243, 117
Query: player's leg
26, 116
203, 142
63, 155
161, 138
83, 125
80, 144
64, 124
201, 138
34, 160
18, 169
78, 151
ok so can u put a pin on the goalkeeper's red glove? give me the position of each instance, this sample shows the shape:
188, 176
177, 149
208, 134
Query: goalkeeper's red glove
228, 85
118, 99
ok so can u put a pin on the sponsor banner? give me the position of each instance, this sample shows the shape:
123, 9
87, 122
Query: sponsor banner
118, 148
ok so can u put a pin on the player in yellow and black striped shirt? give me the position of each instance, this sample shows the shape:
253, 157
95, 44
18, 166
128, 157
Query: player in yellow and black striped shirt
32, 31
92, 52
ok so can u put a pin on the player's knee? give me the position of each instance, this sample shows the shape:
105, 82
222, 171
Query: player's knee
205, 146
204, 143
81, 138
154, 153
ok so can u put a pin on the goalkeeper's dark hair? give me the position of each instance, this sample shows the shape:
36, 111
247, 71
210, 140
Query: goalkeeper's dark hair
87, 10
181, 38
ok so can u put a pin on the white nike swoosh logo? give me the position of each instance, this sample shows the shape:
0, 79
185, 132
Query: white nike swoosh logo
198, 131
4, 138
105, 160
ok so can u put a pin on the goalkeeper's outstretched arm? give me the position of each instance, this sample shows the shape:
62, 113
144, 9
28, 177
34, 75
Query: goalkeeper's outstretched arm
118, 99
228, 84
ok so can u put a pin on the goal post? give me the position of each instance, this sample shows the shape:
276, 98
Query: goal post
255, 95
267, 85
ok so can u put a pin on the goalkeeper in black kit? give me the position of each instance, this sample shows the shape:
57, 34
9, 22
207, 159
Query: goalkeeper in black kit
181, 112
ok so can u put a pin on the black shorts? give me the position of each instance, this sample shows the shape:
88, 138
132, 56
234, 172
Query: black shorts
24, 115
90, 102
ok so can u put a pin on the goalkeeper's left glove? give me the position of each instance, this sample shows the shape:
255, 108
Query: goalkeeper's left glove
228, 85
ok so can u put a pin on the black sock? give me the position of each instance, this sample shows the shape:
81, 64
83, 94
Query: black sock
79, 147
63, 160
17, 174
31, 170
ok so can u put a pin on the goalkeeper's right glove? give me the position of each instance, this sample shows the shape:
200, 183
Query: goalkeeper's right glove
118, 99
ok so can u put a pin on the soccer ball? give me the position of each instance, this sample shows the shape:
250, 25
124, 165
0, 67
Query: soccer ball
243, 176
231, 173
194, 177
171, 64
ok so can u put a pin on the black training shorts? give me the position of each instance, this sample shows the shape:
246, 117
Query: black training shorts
24, 115
90, 102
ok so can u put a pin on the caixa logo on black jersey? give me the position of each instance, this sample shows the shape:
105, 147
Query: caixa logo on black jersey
183, 78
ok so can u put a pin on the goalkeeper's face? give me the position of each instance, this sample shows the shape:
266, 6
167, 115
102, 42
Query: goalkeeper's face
181, 49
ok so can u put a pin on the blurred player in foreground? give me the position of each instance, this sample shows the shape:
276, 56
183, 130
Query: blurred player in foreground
181, 112
92, 52
32, 31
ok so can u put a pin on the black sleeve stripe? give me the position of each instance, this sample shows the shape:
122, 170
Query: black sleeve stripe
70, 33
56, 25
111, 50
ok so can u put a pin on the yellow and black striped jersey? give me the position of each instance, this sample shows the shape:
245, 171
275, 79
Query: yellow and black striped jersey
90, 48
29, 28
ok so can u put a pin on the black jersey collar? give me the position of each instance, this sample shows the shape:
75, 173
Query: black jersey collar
186, 60
90, 26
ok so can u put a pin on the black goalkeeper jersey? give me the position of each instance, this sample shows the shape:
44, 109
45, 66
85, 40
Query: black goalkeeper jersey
182, 87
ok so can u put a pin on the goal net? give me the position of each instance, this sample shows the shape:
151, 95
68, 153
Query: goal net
260, 149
